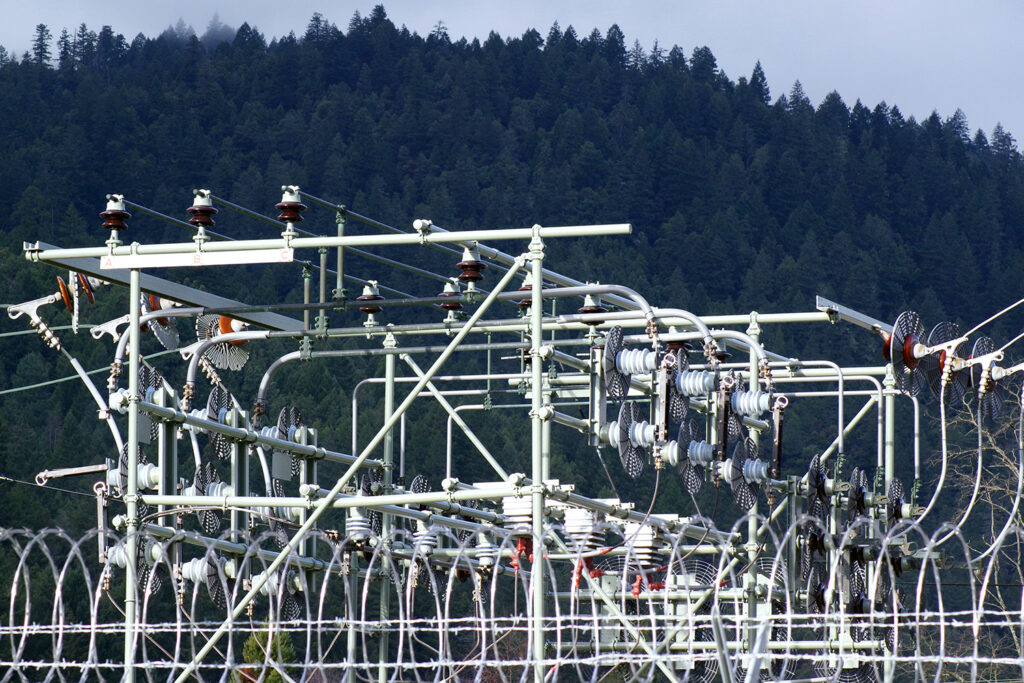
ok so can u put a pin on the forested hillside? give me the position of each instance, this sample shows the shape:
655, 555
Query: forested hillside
741, 197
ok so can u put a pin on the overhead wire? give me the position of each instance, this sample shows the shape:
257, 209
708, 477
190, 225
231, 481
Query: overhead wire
51, 382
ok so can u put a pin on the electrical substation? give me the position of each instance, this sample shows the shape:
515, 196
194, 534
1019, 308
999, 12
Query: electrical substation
223, 512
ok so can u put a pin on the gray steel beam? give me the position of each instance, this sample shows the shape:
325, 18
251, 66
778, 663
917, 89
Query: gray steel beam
172, 290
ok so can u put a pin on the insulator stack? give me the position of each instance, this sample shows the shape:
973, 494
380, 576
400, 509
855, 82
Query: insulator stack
700, 452
750, 403
486, 552
580, 526
370, 293
451, 291
755, 471
195, 570
527, 301
591, 304
471, 265
677, 346
66, 295
290, 206
357, 527
424, 541
202, 210
636, 361
695, 382
646, 541
115, 216
518, 513
641, 434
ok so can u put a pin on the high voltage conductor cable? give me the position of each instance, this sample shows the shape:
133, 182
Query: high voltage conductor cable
251, 213
45, 486
993, 317
499, 260
52, 327
71, 377
174, 221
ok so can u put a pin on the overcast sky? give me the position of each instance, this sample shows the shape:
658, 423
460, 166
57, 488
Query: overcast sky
921, 55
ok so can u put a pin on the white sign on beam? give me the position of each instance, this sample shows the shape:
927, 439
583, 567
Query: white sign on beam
197, 258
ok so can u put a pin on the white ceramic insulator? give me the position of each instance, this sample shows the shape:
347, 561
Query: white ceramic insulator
356, 526
194, 570
579, 525
149, 476
636, 361
613, 433
219, 489
272, 584
118, 556
700, 453
517, 511
425, 541
670, 453
750, 403
755, 471
200, 414
695, 382
641, 434
289, 513
485, 551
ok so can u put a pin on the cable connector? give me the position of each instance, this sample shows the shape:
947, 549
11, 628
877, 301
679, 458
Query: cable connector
422, 226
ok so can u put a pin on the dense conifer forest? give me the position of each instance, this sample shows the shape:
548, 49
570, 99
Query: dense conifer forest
741, 196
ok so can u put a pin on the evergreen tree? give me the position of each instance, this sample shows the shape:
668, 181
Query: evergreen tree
759, 84
41, 45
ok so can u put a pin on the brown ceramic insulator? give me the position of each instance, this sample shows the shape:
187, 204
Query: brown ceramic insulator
677, 345
65, 294
83, 282
290, 211
154, 304
450, 305
113, 219
525, 303
201, 215
723, 356
909, 358
370, 297
224, 326
471, 271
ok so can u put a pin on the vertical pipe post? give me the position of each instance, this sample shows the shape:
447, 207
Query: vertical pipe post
167, 451
890, 427
306, 277
546, 441
750, 636
239, 475
537, 579
339, 286
388, 457
890, 463
321, 321
351, 604
132, 496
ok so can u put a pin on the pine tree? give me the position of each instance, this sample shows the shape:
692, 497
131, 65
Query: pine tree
759, 84
41, 45
65, 51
